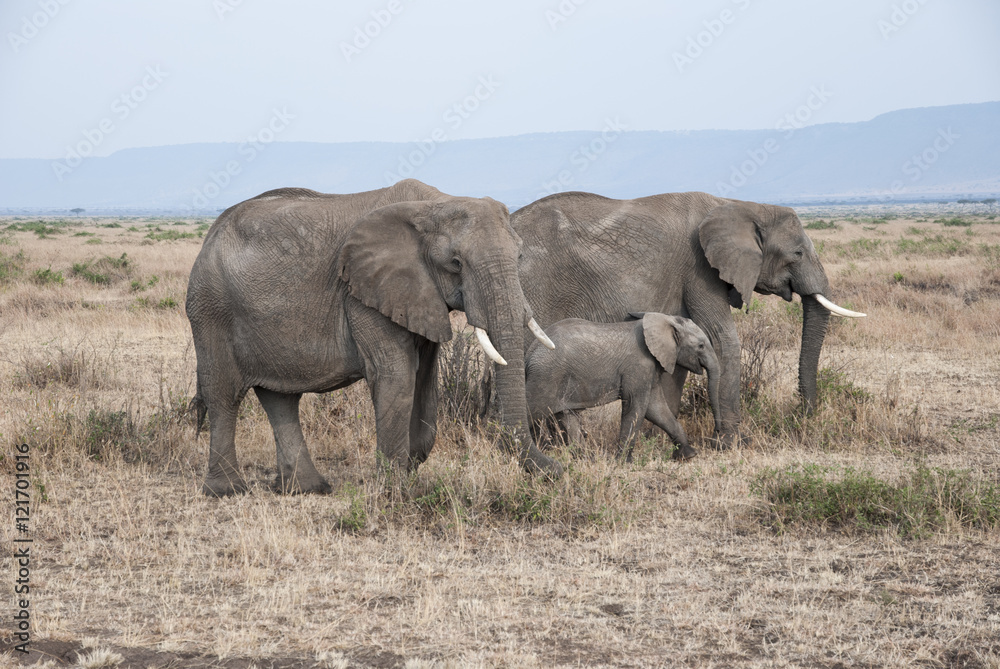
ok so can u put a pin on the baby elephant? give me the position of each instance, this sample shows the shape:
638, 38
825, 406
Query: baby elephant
597, 363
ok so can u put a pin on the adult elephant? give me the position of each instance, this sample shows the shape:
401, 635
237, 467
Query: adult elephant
689, 254
296, 291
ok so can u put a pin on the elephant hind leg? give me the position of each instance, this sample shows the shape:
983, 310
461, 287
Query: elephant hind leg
296, 472
223, 477
632, 413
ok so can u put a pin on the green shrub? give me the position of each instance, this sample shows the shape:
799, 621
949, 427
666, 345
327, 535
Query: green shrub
821, 225
160, 235
105, 270
46, 276
954, 222
11, 266
925, 501
40, 228
355, 517
832, 384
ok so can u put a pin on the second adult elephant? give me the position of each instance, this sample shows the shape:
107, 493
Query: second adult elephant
689, 254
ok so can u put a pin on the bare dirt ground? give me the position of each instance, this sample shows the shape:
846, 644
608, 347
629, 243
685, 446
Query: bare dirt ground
473, 564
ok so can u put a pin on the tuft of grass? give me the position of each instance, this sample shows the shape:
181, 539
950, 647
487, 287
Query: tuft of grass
463, 380
954, 222
161, 235
40, 228
11, 266
833, 385
938, 245
355, 517
821, 225
104, 271
854, 500
44, 277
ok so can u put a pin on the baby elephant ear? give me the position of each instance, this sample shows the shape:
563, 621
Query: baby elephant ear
728, 235
383, 266
660, 339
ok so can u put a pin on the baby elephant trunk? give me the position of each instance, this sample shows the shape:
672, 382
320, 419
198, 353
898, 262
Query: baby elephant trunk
711, 364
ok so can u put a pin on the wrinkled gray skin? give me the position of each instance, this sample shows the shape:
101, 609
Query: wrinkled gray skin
597, 363
688, 254
296, 291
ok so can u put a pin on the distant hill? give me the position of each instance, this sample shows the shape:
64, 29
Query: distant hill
927, 152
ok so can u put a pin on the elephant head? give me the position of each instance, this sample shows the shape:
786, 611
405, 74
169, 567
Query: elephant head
416, 261
674, 340
764, 248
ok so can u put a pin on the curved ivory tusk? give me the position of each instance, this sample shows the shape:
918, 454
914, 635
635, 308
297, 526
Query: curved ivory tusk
488, 348
840, 311
539, 333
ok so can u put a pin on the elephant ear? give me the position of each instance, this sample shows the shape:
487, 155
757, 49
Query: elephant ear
384, 268
660, 339
730, 238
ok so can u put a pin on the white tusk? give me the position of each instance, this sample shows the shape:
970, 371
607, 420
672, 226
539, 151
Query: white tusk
488, 348
539, 333
840, 311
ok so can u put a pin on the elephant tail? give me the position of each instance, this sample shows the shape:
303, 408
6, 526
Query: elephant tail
201, 409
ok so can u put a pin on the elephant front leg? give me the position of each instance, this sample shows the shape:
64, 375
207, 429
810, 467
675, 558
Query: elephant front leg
423, 420
296, 472
659, 414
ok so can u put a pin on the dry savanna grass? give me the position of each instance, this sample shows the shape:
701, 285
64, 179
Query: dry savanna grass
862, 535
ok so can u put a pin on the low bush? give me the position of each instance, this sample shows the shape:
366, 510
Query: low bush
922, 502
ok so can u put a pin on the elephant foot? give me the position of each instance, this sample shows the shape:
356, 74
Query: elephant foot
298, 485
224, 486
536, 462
727, 440
684, 452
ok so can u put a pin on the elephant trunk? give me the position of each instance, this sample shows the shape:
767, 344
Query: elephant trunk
711, 365
814, 319
503, 309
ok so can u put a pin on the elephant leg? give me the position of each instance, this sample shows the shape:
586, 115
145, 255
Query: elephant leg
569, 424
390, 358
633, 410
659, 414
222, 399
296, 472
223, 477
423, 420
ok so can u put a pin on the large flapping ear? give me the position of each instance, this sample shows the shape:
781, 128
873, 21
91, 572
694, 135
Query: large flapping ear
729, 237
660, 339
383, 266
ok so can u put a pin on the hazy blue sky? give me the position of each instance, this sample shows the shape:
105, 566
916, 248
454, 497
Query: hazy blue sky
130, 73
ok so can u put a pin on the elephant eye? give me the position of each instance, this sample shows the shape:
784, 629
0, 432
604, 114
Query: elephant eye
456, 264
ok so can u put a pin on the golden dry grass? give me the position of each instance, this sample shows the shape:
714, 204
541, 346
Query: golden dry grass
472, 563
